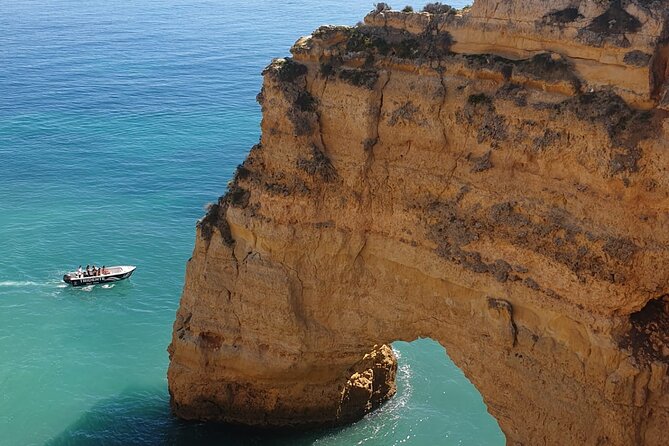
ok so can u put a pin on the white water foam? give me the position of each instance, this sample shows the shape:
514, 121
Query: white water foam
19, 283
107, 286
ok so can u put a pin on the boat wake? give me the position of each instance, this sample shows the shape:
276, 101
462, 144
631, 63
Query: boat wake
17, 283
107, 286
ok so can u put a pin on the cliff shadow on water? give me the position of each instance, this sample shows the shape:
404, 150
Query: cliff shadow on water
141, 416
427, 379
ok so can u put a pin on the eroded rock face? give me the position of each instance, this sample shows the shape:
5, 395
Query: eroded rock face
494, 179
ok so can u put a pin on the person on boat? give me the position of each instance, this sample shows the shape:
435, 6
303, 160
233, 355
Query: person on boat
95, 270
88, 270
80, 272
103, 271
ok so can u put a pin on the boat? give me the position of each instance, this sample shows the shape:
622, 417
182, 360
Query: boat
111, 274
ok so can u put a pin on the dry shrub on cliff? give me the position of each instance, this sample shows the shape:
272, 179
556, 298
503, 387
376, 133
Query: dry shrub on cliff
625, 126
545, 66
438, 8
481, 115
561, 17
302, 112
615, 20
290, 77
285, 70
479, 98
305, 101
407, 113
319, 164
359, 41
215, 218
637, 58
360, 78
326, 69
611, 27
380, 7
648, 337
481, 163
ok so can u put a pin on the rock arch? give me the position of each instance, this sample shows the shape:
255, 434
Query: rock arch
429, 176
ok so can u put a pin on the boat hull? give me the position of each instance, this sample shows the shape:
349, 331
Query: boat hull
85, 281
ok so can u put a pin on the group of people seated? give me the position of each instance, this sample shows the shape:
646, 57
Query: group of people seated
92, 272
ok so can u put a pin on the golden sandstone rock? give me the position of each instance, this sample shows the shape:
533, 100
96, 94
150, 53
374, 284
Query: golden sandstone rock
493, 178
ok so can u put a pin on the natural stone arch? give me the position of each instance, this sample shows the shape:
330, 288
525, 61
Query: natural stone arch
509, 205
312, 316
270, 351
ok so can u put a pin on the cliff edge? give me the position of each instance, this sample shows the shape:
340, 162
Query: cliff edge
493, 178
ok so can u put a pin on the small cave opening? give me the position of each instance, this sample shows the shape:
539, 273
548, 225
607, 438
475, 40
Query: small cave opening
648, 333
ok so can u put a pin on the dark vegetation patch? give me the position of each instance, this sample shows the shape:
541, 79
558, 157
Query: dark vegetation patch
391, 42
610, 27
480, 113
548, 138
285, 70
305, 101
615, 21
381, 6
360, 77
215, 218
302, 113
553, 235
290, 77
406, 113
439, 8
562, 17
242, 173
235, 196
648, 337
303, 120
407, 8
277, 183
479, 99
637, 58
238, 197
513, 92
531, 283
622, 249
366, 42
544, 66
625, 126
326, 69
481, 163
318, 165
260, 97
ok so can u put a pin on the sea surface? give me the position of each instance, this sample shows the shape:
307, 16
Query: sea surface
119, 121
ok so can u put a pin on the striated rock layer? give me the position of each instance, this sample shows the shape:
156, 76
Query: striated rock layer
492, 178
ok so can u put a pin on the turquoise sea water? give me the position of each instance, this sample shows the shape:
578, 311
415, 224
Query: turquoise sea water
119, 121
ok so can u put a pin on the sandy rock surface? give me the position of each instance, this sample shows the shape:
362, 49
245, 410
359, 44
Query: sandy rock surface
492, 178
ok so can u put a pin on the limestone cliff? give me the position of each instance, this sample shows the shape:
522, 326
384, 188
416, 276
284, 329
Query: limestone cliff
493, 178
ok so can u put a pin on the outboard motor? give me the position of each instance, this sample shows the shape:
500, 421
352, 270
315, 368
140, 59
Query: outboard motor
67, 278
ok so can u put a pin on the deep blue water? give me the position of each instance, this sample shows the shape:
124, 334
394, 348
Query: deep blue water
119, 121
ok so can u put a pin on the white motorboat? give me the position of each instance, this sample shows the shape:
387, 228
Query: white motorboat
109, 274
